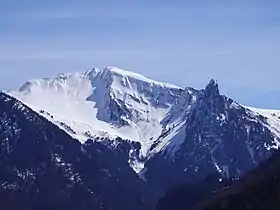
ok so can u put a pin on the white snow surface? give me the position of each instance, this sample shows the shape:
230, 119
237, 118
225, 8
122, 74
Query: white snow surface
273, 119
81, 104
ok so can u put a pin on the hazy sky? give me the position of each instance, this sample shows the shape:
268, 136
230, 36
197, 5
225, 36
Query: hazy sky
181, 42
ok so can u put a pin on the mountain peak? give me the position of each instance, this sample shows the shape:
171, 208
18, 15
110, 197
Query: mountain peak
212, 88
130, 75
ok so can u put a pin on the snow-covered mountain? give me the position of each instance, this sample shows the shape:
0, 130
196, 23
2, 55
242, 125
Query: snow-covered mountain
217, 135
175, 133
103, 103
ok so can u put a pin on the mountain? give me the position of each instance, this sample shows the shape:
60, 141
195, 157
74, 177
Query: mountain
103, 103
218, 134
42, 167
168, 135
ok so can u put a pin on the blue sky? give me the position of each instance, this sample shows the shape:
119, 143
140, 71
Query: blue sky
181, 42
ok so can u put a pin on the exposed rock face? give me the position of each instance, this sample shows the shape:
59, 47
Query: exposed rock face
219, 135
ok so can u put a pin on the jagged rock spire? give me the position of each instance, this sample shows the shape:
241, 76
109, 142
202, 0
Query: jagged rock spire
212, 89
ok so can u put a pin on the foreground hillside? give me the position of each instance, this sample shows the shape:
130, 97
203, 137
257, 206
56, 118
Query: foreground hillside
259, 190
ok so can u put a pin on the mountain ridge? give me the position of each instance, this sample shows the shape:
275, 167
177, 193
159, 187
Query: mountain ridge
188, 132
117, 102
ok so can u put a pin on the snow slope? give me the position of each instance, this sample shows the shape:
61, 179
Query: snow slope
107, 102
273, 119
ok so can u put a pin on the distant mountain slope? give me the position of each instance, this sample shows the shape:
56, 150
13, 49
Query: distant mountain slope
42, 167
